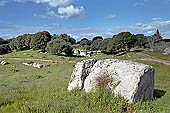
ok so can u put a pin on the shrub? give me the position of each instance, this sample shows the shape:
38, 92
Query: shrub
58, 46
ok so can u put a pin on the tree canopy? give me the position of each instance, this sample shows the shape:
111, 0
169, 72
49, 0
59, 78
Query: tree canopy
59, 46
65, 37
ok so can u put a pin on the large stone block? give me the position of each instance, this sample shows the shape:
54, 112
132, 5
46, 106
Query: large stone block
131, 80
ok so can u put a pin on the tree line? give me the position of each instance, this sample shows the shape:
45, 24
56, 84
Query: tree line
63, 43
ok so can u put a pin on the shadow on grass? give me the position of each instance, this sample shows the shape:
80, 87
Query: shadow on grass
71, 56
158, 93
138, 51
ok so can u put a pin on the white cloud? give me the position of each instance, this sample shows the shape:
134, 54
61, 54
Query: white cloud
156, 19
74, 36
146, 29
65, 10
71, 12
2, 3
51, 3
138, 4
12, 30
150, 32
109, 33
110, 17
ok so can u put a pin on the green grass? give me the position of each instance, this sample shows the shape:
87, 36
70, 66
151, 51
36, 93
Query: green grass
30, 90
158, 55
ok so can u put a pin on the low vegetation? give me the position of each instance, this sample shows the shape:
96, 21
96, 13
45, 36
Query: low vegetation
31, 90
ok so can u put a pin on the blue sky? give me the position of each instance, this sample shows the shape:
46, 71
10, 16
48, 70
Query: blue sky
84, 18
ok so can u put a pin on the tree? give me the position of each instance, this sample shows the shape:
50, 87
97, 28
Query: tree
31, 41
2, 41
123, 41
85, 43
104, 43
18, 43
126, 40
4, 49
97, 38
140, 40
40, 40
58, 46
96, 44
65, 37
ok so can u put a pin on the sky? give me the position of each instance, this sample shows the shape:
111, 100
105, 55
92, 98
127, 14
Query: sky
84, 18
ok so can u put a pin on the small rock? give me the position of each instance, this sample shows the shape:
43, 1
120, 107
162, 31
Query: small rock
166, 51
4, 63
36, 65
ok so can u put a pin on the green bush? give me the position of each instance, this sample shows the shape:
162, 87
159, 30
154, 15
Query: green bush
59, 46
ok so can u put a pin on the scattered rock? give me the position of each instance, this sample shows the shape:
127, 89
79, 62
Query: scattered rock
166, 51
133, 81
76, 52
4, 63
82, 52
36, 65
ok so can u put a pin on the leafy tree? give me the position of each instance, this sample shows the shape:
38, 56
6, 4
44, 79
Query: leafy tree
4, 49
85, 43
31, 41
2, 41
96, 44
65, 37
104, 43
40, 40
58, 46
121, 42
18, 43
141, 40
97, 38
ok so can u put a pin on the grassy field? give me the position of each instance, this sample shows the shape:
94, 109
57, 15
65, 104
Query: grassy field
158, 55
30, 90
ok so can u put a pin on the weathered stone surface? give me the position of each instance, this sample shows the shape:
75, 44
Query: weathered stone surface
166, 51
81, 71
133, 81
76, 52
4, 63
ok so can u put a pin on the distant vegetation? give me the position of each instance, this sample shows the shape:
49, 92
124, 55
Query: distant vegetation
59, 46
121, 42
